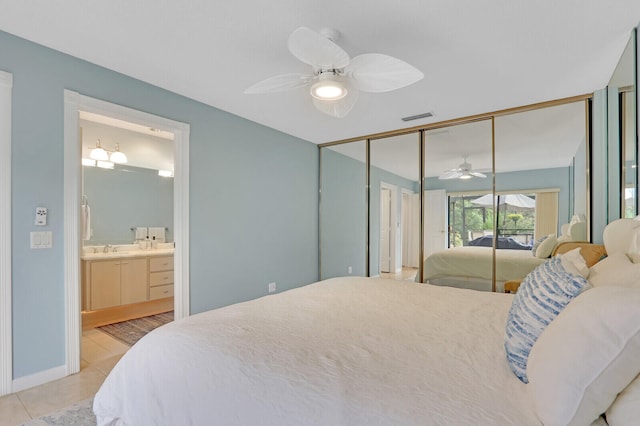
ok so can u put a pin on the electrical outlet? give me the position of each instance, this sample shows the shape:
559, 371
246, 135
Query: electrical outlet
350, 270
272, 287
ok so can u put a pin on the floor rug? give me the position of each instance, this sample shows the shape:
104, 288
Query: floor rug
80, 413
129, 332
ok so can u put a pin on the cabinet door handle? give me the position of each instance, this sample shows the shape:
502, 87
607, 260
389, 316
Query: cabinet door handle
124, 263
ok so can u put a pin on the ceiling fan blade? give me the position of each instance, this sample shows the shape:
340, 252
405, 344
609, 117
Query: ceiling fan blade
341, 107
478, 174
316, 50
280, 83
451, 174
374, 72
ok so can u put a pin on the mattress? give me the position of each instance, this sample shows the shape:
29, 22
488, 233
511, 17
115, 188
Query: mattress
476, 262
346, 351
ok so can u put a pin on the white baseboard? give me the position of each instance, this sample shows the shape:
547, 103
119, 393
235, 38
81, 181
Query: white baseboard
38, 379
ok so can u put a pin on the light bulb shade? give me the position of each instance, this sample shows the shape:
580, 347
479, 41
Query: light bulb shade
465, 176
118, 157
99, 154
328, 90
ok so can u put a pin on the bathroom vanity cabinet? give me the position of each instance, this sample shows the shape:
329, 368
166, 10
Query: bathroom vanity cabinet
117, 282
113, 282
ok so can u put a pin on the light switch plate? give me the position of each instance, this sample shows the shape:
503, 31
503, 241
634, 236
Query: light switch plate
41, 240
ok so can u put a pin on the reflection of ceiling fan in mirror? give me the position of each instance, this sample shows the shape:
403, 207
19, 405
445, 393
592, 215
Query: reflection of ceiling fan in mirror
336, 79
464, 171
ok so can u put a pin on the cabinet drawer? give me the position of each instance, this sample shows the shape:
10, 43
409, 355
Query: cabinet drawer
161, 292
160, 278
164, 263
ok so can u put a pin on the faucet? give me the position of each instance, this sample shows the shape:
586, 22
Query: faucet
106, 248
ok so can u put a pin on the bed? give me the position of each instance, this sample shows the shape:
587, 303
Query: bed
356, 351
472, 267
306, 356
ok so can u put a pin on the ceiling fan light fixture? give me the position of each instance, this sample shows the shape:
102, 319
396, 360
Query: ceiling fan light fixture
328, 90
465, 176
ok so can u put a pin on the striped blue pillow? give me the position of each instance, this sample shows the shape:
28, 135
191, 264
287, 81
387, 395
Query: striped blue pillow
543, 294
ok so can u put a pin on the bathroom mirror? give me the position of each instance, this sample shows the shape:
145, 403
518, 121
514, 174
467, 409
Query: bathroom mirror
124, 197
343, 210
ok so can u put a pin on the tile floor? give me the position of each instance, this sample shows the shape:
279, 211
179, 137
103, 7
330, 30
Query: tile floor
405, 274
99, 354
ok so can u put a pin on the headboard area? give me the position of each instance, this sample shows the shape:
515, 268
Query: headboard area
619, 235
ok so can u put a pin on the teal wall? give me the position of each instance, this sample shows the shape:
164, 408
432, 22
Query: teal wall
253, 199
126, 197
343, 213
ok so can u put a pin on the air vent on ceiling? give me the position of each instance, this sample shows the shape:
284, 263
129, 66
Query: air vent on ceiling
417, 117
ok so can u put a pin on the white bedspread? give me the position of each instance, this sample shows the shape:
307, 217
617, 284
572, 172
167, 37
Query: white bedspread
347, 351
476, 262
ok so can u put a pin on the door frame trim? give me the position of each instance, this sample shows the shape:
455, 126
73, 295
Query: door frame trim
6, 337
73, 103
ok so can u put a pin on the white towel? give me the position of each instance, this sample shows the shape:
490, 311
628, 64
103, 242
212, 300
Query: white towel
141, 233
158, 232
86, 222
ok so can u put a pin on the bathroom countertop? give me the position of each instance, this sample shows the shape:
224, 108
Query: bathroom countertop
127, 254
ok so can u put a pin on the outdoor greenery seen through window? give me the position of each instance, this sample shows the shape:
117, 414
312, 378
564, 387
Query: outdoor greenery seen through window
471, 217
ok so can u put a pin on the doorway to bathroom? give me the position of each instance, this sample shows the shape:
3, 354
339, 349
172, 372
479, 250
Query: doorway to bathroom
114, 207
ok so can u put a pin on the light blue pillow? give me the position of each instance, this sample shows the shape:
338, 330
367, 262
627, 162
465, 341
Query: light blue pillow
543, 294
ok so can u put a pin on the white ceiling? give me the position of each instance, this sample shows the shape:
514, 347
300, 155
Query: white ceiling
477, 56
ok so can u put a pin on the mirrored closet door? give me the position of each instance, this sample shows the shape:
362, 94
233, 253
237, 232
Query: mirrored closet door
541, 185
458, 206
394, 209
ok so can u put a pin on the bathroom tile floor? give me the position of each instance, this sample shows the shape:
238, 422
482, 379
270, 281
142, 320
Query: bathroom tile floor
99, 354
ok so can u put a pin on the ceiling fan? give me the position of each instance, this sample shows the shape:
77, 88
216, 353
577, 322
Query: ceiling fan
336, 80
464, 171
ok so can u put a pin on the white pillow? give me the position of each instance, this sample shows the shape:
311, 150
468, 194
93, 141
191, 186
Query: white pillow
586, 356
615, 270
546, 247
625, 410
617, 235
574, 263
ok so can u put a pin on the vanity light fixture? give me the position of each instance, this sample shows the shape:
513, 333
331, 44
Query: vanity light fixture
100, 154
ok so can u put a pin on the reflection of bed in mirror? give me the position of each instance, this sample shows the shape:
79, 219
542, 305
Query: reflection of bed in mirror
471, 267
